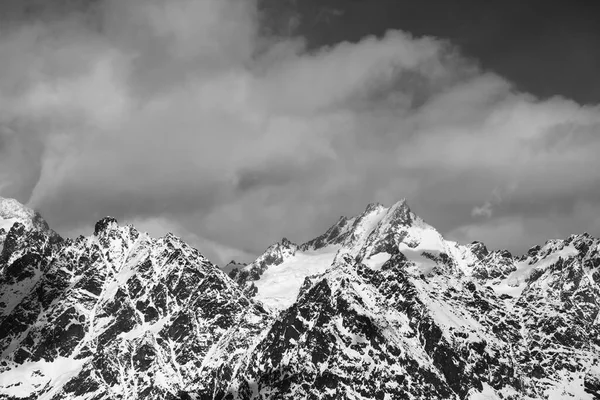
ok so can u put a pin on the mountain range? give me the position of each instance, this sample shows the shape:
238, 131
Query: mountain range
380, 306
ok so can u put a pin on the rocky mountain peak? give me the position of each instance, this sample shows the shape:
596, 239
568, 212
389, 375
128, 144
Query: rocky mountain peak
373, 207
533, 251
11, 208
119, 315
11, 211
105, 224
393, 228
285, 242
400, 213
335, 235
479, 249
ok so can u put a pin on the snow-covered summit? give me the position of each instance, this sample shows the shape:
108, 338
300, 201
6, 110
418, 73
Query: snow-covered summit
371, 237
105, 224
12, 211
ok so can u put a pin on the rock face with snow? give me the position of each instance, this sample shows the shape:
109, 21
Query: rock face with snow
483, 323
117, 315
380, 306
11, 212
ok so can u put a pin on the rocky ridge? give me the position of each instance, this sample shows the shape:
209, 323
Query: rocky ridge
118, 315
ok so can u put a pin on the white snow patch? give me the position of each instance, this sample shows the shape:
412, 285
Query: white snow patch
279, 285
463, 256
7, 223
25, 379
369, 223
140, 330
515, 283
376, 261
428, 240
424, 264
488, 393
356, 241
570, 387
449, 317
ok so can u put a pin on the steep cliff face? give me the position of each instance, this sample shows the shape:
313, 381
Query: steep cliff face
12, 212
371, 237
119, 315
381, 306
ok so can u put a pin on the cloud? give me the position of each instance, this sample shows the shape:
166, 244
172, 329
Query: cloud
188, 112
485, 210
508, 233
498, 196
520, 231
214, 251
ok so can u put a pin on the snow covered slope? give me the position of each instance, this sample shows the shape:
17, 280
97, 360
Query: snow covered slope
12, 211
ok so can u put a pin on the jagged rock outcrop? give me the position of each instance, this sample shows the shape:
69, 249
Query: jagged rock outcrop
119, 315
274, 255
12, 212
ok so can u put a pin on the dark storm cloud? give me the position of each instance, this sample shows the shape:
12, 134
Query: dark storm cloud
547, 48
184, 115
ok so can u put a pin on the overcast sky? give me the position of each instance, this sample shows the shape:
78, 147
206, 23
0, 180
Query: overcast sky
233, 123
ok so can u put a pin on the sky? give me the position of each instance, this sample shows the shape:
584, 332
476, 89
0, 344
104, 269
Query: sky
234, 123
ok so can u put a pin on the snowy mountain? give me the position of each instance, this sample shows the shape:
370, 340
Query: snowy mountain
380, 306
484, 309
371, 238
11, 211
118, 315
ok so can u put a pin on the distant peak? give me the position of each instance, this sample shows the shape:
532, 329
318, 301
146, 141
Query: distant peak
104, 224
286, 242
479, 249
576, 237
10, 208
504, 254
7, 200
13, 210
400, 213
